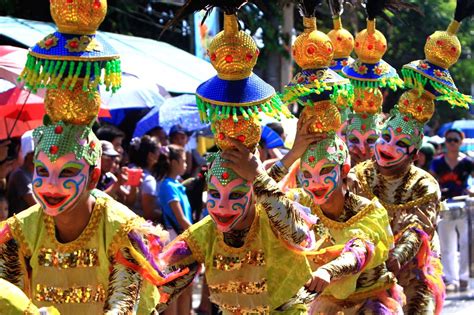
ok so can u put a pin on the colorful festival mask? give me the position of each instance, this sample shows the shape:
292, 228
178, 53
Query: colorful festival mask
321, 166
231, 101
58, 184
229, 196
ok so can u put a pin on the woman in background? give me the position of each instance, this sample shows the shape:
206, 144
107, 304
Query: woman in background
144, 154
177, 213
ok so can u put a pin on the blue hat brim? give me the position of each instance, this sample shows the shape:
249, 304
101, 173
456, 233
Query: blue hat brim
89, 48
339, 63
246, 92
432, 72
308, 77
371, 71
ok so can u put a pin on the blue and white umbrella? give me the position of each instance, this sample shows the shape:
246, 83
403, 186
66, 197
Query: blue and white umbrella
135, 94
466, 126
180, 110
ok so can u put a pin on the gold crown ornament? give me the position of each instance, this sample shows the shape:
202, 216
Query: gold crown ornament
72, 106
369, 70
326, 115
442, 50
73, 53
233, 53
313, 51
367, 101
78, 16
232, 100
342, 40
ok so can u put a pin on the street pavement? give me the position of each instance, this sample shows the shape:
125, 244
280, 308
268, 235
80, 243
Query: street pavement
461, 303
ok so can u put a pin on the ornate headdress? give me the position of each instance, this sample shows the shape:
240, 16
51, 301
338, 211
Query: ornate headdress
74, 55
430, 80
321, 90
370, 72
442, 50
70, 64
233, 98
342, 40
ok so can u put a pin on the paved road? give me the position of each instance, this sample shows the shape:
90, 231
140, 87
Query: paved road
461, 303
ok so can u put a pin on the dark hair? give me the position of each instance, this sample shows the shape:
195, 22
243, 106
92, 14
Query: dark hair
109, 133
455, 130
139, 149
3, 196
277, 127
174, 153
152, 130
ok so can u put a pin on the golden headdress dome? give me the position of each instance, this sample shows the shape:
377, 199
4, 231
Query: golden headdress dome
420, 104
78, 16
443, 48
233, 52
312, 49
326, 114
342, 40
370, 44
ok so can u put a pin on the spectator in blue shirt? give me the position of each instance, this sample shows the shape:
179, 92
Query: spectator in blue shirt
177, 214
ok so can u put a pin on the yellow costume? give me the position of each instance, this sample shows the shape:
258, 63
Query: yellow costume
260, 276
82, 276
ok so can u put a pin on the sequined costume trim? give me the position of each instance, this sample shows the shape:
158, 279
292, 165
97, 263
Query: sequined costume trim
81, 258
56, 295
239, 287
18, 235
258, 310
226, 263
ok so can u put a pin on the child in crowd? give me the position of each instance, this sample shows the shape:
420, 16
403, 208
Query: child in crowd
3, 206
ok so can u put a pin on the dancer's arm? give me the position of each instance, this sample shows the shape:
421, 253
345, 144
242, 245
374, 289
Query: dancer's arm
177, 256
11, 266
419, 221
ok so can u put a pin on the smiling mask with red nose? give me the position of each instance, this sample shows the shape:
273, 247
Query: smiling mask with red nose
400, 137
229, 196
320, 167
64, 154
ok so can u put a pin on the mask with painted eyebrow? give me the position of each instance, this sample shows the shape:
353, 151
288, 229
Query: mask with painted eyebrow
393, 148
228, 204
58, 191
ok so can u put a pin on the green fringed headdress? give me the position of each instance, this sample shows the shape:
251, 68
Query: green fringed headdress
223, 174
74, 54
442, 50
58, 139
332, 148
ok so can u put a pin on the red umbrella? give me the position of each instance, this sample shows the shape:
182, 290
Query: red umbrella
16, 128
21, 111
